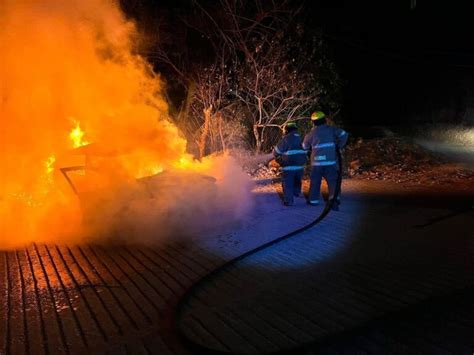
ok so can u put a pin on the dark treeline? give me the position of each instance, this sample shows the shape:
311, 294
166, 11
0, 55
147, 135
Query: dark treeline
367, 62
238, 70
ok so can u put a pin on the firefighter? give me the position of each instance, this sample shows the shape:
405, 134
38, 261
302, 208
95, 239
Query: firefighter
323, 140
292, 158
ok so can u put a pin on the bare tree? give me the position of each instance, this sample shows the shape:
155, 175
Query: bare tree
274, 88
272, 73
212, 86
261, 70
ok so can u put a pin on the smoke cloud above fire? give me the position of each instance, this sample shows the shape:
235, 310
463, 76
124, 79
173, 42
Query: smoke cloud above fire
77, 103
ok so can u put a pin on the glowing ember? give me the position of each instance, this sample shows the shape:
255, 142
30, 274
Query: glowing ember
49, 164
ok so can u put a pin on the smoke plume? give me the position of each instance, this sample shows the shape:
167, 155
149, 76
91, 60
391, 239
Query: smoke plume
74, 94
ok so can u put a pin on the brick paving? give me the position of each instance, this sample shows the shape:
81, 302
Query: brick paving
315, 288
101, 299
354, 271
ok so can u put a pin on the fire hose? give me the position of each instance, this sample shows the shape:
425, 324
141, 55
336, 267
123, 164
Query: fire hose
191, 291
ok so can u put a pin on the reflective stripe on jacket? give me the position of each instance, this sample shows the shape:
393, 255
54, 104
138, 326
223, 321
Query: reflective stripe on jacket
290, 153
322, 141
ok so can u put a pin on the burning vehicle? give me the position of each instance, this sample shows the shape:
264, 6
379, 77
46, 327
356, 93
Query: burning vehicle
87, 145
117, 207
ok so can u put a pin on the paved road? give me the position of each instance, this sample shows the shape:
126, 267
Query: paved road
103, 299
313, 289
366, 262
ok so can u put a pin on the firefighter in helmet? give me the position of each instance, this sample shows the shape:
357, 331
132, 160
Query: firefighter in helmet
323, 140
292, 158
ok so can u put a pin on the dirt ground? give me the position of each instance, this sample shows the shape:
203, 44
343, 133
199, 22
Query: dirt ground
398, 160
390, 159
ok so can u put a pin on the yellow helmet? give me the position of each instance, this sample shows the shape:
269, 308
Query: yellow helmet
291, 124
317, 115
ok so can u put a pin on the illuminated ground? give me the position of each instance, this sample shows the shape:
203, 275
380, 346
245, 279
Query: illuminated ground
394, 269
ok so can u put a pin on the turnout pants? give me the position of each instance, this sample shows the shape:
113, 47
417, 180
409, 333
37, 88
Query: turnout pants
291, 182
330, 174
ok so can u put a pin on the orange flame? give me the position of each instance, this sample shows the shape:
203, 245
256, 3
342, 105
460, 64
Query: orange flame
50, 164
77, 135
73, 59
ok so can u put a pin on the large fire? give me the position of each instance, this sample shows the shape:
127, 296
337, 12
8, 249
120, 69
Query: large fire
73, 93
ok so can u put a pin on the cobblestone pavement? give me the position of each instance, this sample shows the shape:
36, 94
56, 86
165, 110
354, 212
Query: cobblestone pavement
348, 276
382, 267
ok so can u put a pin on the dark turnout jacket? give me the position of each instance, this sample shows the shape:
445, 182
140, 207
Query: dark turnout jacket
323, 141
290, 153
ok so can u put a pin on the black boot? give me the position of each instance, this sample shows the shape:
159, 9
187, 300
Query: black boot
334, 205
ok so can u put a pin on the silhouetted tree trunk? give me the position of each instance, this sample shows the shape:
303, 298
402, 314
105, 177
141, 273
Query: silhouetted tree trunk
207, 112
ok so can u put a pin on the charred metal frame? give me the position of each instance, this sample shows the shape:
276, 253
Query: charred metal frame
64, 171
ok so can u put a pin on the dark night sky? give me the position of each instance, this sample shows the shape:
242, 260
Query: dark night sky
398, 63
